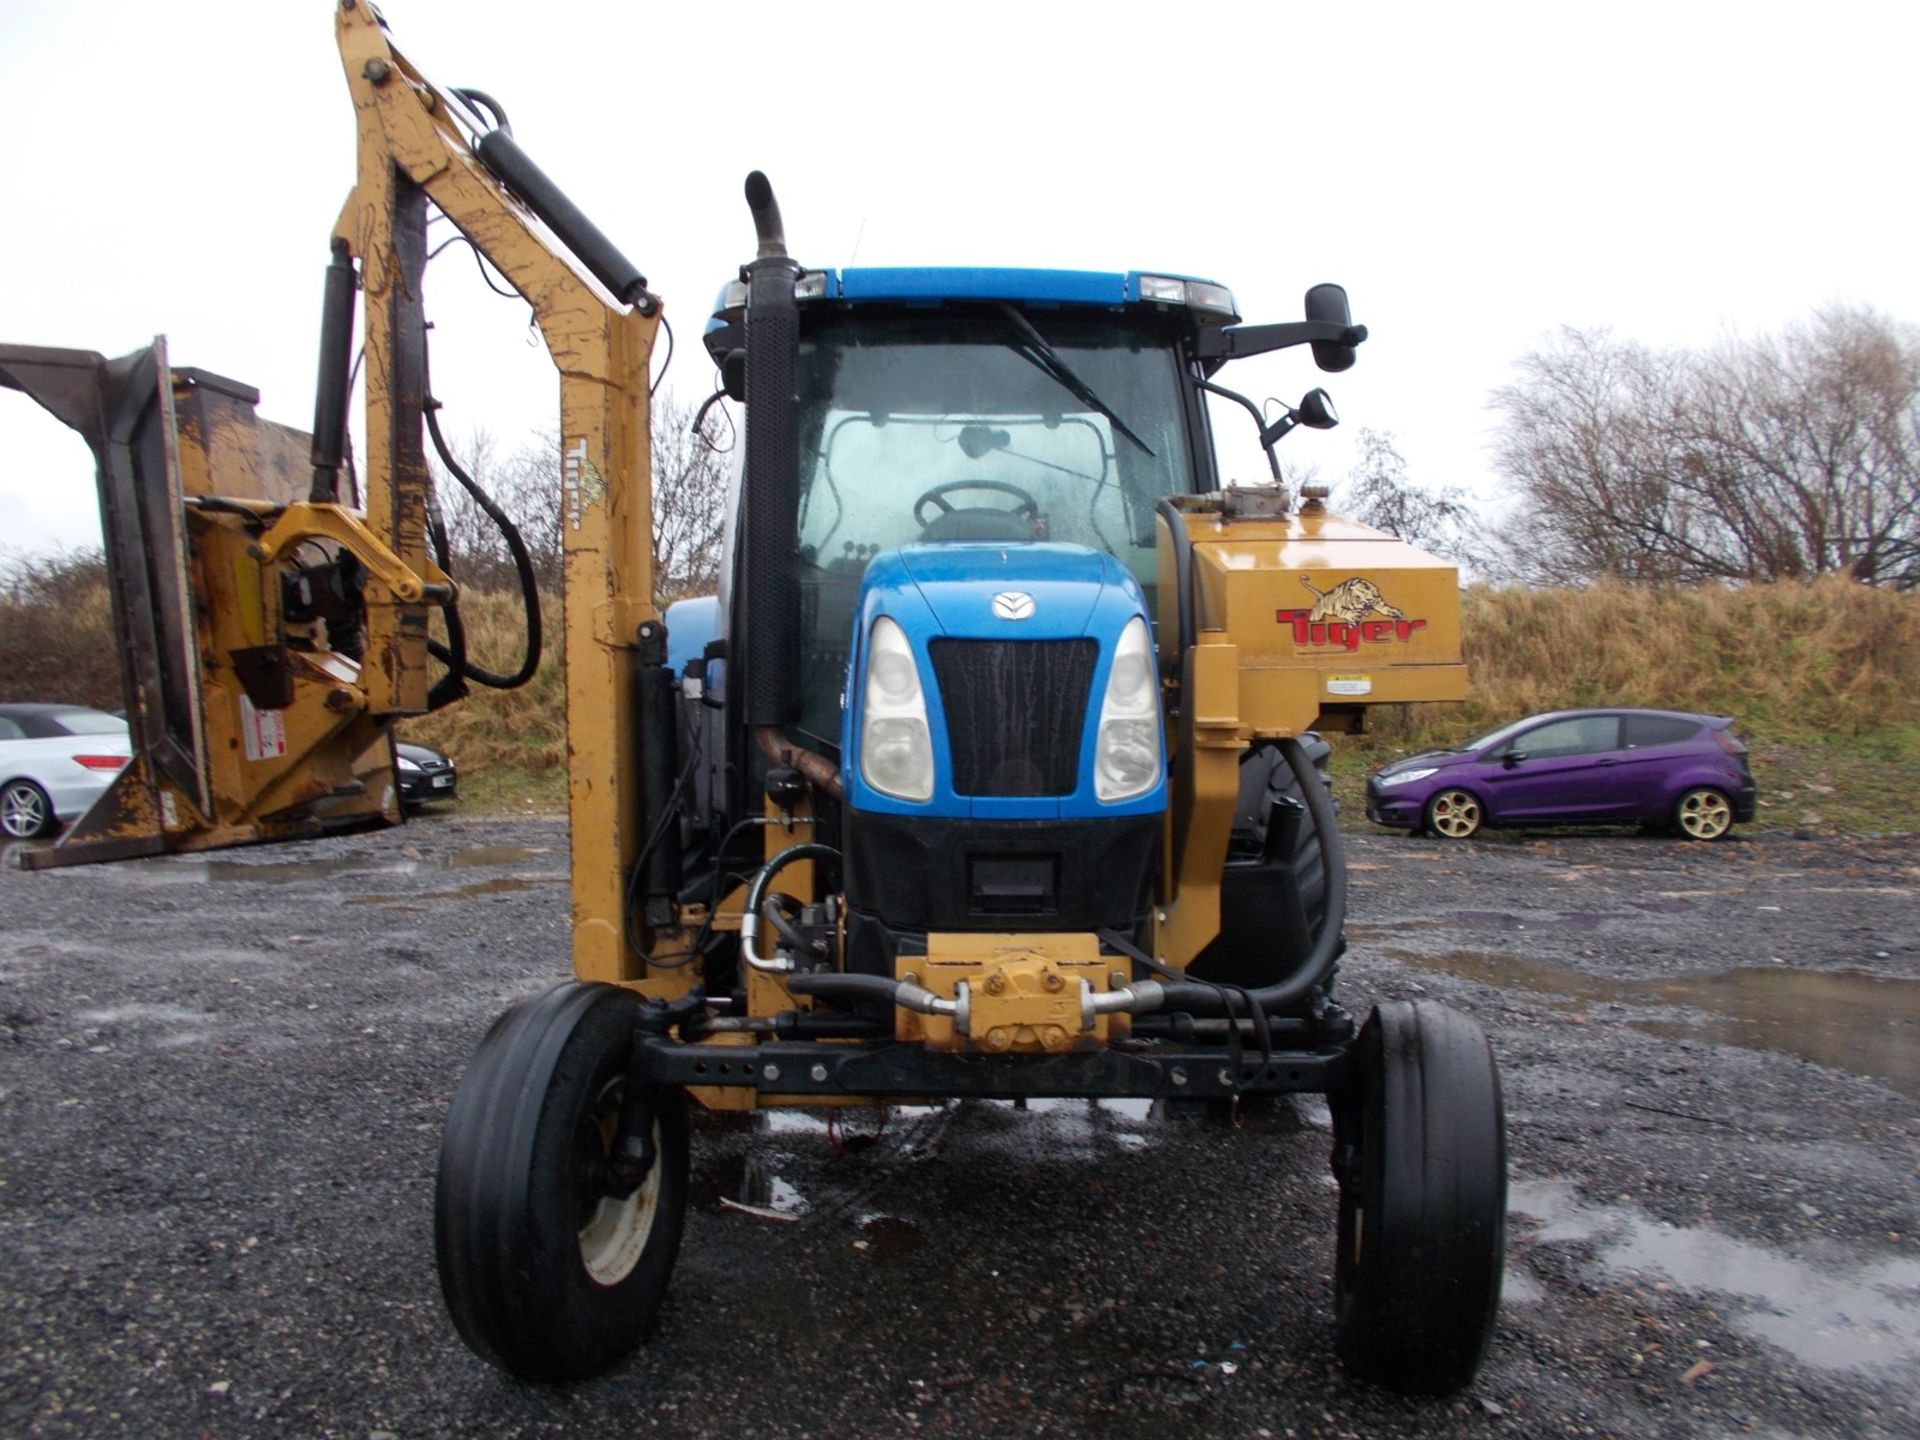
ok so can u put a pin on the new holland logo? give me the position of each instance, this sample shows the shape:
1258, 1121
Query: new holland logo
1013, 605
1340, 617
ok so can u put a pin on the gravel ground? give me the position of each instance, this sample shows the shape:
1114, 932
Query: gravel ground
222, 1083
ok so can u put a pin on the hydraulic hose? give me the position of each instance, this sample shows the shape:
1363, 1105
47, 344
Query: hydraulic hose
1198, 998
757, 893
838, 987
451, 686
523, 567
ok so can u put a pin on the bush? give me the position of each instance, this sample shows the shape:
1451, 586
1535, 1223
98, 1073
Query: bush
56, 631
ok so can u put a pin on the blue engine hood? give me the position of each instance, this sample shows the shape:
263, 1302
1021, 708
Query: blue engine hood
947, 591
958, 582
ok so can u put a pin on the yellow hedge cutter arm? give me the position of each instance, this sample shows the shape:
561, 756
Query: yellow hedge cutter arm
271, 629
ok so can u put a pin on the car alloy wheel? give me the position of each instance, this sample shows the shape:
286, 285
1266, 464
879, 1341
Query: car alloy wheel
25, 810
1453, 814
1703, 814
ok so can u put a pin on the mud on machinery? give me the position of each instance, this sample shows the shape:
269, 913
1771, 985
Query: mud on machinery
993, 769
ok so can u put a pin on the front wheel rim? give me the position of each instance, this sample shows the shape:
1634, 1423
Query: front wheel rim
23, 812
1456, 814
613, 1234
1705, 815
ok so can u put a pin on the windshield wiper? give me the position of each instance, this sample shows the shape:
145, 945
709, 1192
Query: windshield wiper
1046, 359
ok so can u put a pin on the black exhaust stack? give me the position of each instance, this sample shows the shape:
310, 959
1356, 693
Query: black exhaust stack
768, 619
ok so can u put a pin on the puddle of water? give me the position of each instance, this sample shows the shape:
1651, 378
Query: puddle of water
745, 1182
764, 1190
890, 1237
286, 872
478, 856
1867, 1320
204, 872
505, 885
1844, 1019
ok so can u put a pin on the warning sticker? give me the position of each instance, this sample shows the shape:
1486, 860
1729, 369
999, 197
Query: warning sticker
262, 732
1349, 685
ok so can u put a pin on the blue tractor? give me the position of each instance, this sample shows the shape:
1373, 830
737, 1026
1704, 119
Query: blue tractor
994, 769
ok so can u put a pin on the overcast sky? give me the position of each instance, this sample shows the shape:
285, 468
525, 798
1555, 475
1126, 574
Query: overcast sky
1476, 175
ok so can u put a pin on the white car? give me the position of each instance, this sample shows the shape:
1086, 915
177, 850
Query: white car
55, 760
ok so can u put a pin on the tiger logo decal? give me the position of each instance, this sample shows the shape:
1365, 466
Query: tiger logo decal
1351, 614
1351, 601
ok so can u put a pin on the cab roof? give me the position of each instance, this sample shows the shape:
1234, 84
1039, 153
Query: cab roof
1206, 302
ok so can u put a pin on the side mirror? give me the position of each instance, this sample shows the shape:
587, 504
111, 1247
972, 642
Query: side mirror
1513, 758
733, 375
1328, 304
1316, 410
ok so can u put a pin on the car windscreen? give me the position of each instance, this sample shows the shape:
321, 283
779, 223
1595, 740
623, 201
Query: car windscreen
1494, 736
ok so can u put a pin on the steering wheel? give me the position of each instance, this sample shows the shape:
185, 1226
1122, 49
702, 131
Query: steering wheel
1029, 508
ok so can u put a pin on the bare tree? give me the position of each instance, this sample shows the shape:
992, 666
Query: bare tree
524, 486
689, 502
1773, 458
1379, 492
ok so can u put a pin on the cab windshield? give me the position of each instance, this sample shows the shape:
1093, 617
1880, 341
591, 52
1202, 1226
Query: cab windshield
937, 426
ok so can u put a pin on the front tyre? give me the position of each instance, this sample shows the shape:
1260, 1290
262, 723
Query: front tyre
1702, 814
548, 1270
1423, 1201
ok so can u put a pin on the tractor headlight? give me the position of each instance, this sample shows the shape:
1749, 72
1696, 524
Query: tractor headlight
896, 750
1127, 750
1407, 777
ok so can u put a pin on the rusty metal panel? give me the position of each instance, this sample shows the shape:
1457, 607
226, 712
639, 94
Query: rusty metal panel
123, 409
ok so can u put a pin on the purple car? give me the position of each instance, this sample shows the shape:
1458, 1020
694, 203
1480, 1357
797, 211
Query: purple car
1575, 767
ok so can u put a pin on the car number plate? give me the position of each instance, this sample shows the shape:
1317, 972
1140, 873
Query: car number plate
441, 782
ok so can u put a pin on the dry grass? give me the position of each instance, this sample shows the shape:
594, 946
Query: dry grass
1814, 663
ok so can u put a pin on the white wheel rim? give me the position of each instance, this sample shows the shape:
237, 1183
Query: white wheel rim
1456, 815
615, 1234
1705, 815
24, 813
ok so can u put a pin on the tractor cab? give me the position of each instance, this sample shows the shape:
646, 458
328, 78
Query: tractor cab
980, 406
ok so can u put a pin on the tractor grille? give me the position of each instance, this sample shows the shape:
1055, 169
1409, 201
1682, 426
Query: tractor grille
1015, 711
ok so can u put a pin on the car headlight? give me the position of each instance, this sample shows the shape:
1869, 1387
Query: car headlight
1407, 777
406, 764
896, 750
1127, 750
